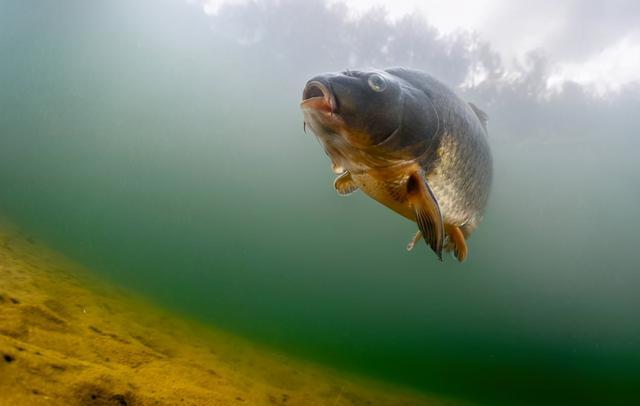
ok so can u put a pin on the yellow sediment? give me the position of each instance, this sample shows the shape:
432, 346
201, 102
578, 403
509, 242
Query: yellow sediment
67, 338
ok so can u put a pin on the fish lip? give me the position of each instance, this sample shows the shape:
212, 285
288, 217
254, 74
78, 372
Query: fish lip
318, 96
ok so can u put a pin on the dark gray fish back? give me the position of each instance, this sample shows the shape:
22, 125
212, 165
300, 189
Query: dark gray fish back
457, 150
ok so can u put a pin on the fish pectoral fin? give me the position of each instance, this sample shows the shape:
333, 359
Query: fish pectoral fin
344, 184
427, 212
456, 236
414, 240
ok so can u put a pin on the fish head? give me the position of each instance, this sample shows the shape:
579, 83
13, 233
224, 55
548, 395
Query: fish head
363, 107
352, 111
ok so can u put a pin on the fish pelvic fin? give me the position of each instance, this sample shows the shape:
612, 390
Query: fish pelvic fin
427, 211
417, 237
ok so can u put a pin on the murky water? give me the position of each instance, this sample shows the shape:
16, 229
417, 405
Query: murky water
173, 161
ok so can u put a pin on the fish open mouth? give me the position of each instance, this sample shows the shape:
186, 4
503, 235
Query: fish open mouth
317, 96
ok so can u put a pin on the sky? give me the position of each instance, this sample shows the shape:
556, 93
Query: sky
595, 42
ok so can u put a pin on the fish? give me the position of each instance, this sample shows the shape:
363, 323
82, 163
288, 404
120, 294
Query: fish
408, 141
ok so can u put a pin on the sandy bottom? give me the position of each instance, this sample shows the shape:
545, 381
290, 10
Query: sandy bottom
67, 338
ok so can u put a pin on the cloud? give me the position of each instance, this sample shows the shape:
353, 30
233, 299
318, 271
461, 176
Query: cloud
606, 71
575, 35
212, 7
589, 28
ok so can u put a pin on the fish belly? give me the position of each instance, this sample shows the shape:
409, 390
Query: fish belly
389, 191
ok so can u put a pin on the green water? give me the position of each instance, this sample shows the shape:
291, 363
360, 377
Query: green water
171, 160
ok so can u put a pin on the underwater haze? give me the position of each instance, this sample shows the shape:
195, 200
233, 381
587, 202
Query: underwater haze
163, 147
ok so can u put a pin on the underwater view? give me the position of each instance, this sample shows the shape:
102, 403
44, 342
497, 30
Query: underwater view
170, 232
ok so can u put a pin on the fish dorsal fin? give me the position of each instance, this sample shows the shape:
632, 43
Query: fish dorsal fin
484, 117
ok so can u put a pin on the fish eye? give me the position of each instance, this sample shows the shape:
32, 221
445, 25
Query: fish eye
377, 83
